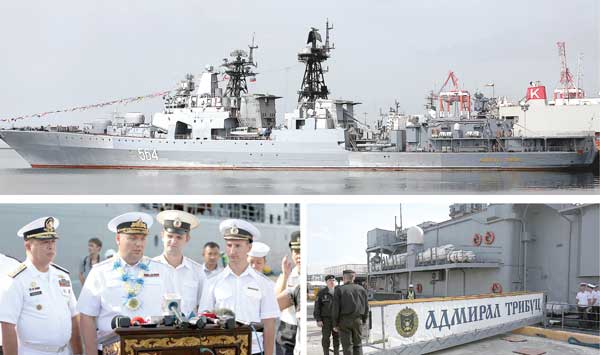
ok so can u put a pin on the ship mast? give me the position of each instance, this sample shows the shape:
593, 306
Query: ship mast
240, 67
313, 83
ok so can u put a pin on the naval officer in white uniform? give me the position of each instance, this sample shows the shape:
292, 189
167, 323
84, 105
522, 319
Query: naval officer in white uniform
240, 288
38, 304
187, 275
128, 284
7, 265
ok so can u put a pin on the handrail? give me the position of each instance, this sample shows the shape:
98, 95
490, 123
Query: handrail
452, 298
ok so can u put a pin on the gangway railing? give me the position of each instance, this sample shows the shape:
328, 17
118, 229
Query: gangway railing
568, 316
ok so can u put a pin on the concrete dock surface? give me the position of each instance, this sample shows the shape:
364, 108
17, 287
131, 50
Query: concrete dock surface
492, 345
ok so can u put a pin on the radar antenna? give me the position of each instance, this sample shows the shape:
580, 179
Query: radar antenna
313, 83
238, 69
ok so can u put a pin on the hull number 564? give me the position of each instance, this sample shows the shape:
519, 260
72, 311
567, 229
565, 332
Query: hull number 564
147, 154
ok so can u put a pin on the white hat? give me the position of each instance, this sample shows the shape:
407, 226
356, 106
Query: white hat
259, 250
591, 285
583, 284
109, 253
238, 229
131, 223
411, 285
41, 228
175, 221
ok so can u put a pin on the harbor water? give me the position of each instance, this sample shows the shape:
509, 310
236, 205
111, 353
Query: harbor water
18, 178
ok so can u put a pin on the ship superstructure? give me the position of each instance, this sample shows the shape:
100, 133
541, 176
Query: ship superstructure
489, 249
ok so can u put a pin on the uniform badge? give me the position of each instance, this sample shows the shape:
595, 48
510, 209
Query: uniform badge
64, 283
35, 293
33, 284
38, 307
177, 223
407, 322
234, 230
49, 224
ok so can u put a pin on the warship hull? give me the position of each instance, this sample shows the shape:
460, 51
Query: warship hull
85, 151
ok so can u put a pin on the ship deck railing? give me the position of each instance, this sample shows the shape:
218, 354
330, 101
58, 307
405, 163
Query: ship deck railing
486, 256
567, 316
241, 138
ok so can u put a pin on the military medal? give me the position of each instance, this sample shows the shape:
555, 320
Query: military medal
133, 304
38, 307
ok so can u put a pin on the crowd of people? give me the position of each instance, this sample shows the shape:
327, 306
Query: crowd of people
40, 313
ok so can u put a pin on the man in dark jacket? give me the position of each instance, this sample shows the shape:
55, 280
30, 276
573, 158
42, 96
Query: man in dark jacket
322, 314
349, 312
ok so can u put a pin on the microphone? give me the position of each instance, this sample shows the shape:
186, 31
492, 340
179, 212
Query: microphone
120, 321
137, 321
174, 309
198, 322
223, 317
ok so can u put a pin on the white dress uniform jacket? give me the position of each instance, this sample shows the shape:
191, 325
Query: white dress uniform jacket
7, 264
188, 279
104, 294
582, 298
250, 296
41, 305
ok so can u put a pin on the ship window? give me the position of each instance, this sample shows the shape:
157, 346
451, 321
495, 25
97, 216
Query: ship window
271, 218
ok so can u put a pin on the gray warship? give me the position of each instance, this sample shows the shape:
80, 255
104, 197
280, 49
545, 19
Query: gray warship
205, 126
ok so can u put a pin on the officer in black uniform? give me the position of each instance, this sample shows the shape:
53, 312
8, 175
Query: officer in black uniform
349, 312
322, 314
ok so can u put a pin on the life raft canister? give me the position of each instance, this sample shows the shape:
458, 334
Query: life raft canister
419, 288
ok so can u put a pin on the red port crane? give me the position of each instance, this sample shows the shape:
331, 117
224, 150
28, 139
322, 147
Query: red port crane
454, 101
567, 89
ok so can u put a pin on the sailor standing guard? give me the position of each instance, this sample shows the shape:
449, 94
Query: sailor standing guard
322, 314
128, 284
187, 275
38, 304
349, 312
287, 281
241, 289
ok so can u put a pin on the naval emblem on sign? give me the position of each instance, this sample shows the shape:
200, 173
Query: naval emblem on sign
407, 322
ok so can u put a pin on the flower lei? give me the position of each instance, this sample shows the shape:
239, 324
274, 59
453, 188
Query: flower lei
133, 284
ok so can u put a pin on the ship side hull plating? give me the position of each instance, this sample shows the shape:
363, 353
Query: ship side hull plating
76, 150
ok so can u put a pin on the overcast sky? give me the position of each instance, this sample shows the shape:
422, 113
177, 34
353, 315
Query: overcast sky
337, 233
59, 54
